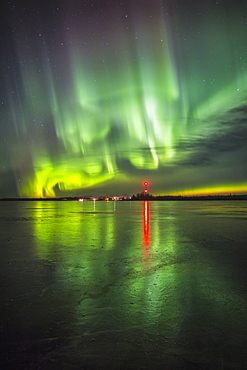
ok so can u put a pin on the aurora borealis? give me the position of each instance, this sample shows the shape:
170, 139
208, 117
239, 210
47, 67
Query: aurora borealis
98, 95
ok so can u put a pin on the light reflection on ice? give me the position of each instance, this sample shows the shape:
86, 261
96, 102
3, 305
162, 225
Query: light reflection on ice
145, 273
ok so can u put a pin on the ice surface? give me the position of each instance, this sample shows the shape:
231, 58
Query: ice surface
123, 285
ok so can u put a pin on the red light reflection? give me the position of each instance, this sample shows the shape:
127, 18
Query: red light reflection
146, 231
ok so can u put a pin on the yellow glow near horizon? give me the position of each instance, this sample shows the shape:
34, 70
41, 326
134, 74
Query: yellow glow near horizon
214, 190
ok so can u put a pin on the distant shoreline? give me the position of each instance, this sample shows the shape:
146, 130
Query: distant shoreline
136, 198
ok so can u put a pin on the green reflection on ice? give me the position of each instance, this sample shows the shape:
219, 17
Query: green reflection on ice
133, 267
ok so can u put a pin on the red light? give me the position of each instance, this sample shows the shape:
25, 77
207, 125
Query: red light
145, 183
146, 190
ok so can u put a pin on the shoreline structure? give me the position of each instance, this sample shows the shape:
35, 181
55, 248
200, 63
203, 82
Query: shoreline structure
138, 197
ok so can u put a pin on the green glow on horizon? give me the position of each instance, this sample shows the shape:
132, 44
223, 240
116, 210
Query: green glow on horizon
44, 180
134, 103
214, 190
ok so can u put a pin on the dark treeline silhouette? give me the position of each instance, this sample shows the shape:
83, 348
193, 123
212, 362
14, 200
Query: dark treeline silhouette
147, 196
141, 196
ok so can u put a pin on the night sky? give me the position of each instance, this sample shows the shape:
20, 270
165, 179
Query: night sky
97, 96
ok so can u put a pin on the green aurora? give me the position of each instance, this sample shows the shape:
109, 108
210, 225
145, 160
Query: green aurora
98, 97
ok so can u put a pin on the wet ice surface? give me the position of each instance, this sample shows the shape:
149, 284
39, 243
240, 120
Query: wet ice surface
123, 285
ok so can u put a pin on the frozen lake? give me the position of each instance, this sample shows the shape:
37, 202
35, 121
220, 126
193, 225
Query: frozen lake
123, 285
